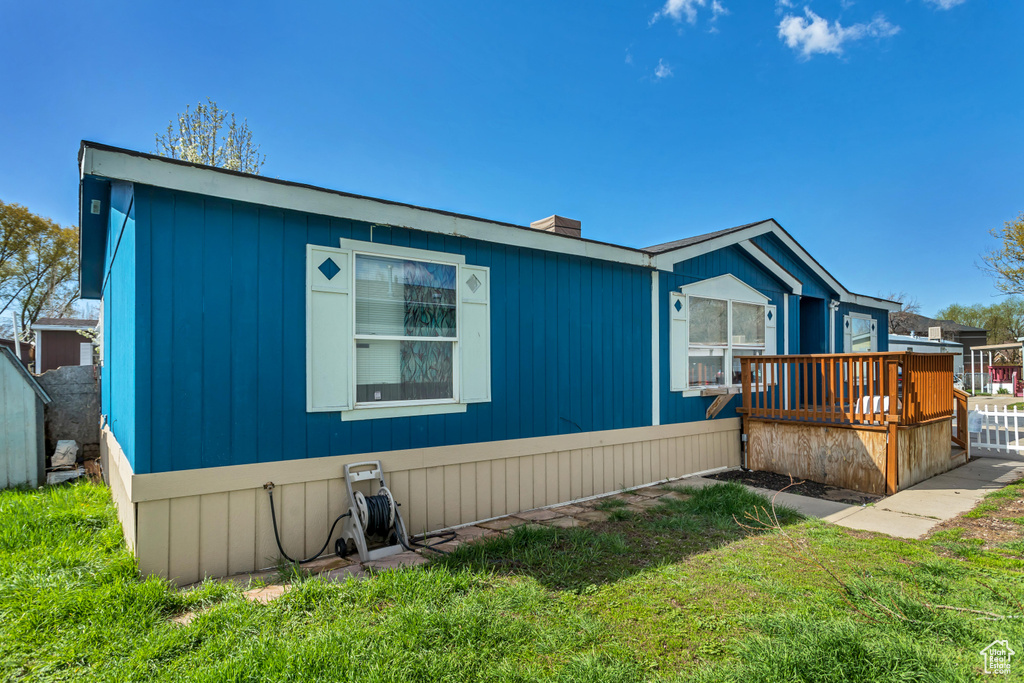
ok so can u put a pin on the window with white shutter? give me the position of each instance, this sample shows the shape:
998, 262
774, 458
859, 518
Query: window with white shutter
713, 323
394, 331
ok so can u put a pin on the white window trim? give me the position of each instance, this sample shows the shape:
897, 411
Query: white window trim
874, 335
732, 290
385, 409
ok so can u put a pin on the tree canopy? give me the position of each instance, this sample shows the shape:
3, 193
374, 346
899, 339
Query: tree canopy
1004, 320
1006, 262
38, 265
208, 135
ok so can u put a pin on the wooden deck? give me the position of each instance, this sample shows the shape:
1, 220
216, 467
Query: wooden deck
874, 422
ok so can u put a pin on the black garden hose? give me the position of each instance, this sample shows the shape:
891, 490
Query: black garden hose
269, 486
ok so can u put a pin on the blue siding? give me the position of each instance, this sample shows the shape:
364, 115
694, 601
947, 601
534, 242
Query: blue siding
225, 315
118, 386
812, 284
729, 260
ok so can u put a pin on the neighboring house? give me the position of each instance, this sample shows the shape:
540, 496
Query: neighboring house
912, 342
257, 330
59, 342
27, 350
968, 337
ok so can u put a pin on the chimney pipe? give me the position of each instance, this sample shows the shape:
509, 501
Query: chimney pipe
558, 225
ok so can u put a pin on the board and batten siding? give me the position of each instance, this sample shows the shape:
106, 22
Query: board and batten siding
220, 340
215, 522
22, 454
730, 260
120, 383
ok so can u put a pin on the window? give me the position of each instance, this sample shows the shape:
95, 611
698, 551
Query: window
393, 331
860, 333
406, 331
720, 332
713, 324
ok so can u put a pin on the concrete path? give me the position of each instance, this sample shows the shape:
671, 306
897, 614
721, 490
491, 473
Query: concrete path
910, 513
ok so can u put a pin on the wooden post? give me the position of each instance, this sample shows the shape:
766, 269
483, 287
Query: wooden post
891, 458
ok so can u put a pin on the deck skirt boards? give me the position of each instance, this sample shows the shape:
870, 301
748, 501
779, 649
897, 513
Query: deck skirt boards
924, 452
216, 521
849, 457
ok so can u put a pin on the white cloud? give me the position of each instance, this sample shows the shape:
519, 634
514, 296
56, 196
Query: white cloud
629, 57
946, 4
676, 9
661, 71
717, 9
783, 5
813, 35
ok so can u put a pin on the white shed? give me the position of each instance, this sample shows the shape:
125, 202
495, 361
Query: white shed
22, 447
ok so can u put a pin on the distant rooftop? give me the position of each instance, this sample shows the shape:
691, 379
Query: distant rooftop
65, 322
905, 323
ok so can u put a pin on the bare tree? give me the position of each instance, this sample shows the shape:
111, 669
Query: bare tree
208, 135
908, 304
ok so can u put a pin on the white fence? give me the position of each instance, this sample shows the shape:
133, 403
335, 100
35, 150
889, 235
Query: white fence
996, 428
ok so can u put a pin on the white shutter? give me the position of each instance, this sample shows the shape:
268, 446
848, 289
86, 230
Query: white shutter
771, 343
874, 335
847, 334
475, 333
677, 342
329, 384
771, 319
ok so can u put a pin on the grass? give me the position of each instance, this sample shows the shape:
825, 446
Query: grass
678, 592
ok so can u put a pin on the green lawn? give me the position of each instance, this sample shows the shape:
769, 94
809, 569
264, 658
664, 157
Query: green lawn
676, 593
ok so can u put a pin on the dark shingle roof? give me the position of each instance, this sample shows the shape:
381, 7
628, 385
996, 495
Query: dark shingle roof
66, 322
697, 239
904, 323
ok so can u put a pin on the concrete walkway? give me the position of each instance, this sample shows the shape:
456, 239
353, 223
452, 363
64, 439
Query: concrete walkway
913, 512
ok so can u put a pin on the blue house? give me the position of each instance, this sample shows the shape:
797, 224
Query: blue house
259, 330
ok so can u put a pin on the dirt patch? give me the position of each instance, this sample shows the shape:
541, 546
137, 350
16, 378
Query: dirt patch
801, 487
993, 528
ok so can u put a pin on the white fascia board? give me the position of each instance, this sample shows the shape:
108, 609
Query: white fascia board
138, 169
872, 302
772, 266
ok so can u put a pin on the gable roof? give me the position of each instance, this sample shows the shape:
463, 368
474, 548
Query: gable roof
26, 375
103, 161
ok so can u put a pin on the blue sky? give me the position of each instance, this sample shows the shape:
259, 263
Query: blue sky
885, 136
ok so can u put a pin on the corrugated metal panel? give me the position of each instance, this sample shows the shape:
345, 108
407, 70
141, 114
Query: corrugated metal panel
222, 341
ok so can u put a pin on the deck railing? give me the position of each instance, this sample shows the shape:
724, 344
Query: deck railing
851, 388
